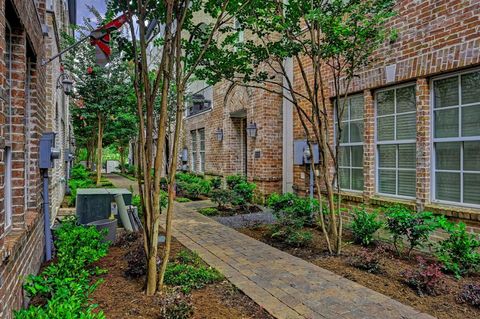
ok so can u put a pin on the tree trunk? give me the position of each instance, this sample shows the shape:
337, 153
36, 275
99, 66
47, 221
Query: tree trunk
122, 159
99, 148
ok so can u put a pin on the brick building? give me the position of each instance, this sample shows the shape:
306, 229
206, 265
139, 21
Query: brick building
411, 133
411, 129
30, 33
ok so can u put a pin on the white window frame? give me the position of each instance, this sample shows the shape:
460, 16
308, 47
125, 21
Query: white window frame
449, 139
394, 142
350, 144
193, 137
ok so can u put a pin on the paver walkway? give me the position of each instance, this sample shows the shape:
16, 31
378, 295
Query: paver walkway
122, 182
286, 286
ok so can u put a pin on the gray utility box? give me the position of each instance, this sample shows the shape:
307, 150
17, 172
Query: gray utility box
94, 204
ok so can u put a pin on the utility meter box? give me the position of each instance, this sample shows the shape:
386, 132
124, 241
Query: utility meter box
299, 149
48, 152
96, 203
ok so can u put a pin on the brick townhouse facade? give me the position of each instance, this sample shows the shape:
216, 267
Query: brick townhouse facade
30, 32
411, 129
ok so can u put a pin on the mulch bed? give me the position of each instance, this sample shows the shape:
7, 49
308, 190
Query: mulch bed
389, 282
120, 297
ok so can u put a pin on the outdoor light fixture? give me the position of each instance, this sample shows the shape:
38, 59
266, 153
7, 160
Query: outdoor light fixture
219, 134
252, 129
66, 83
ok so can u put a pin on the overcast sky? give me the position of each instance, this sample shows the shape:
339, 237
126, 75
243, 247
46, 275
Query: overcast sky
82, 11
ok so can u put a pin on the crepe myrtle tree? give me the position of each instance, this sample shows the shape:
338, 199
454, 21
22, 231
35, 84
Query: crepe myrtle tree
329, 41
100, 92
183, 32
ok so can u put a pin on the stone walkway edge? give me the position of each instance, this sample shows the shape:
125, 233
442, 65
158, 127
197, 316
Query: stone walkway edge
285, 286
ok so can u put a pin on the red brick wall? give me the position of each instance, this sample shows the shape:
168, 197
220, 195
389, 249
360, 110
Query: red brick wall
21, 249
434, 37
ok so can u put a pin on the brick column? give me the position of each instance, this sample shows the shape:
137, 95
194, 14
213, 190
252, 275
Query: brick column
2, 123
368, 146
423, 144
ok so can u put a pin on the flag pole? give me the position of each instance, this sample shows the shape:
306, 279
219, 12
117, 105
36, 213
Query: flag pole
45, 62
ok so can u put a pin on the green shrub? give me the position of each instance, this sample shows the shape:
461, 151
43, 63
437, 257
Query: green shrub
292, 214
66, 284
413, 227
459, 252
79, 172
208, 211
364, 225
221, 197
234, 180
182, 199
216, 182
80, 177
188, 273
243, 193
192, 186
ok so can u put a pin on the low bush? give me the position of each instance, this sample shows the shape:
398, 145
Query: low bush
292, 214
208, 211
234, 180
470, 294
136, 261
426, 279
413, 227
364, 225
176, 305
79, 178
459, 252
189, 273
66, 284
192, 186
221, 197
216, 182
182, 199
368, 260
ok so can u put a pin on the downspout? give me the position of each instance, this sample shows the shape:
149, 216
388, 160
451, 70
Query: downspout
287, 123
46, 216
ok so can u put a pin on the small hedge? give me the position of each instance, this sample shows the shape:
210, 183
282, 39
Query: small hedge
67, 283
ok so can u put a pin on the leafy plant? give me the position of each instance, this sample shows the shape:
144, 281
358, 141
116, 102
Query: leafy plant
413, 227
368, 260
222, 197
364, 225
470, 294
234, 180
182, 200
208, 211
188, 273
136, 261
426, 279
192, 186
176, 305
216, 182
459, 252
243, 193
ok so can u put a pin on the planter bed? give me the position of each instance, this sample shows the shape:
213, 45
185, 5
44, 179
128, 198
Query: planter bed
388, 282
122, 297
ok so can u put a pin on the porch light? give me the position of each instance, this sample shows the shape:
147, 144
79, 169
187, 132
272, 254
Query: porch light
67, 86
252, 129
219, 134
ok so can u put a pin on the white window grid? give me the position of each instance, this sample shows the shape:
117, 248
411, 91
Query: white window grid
460, 139
193, 135
349, 144
395, 142
201, 137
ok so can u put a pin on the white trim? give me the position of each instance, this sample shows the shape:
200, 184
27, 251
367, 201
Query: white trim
458, 139
393, 142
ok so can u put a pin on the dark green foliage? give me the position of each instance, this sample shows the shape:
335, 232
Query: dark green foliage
234, 180
292, 214
222, 197
364, 225
182, 199
79, 178
239, 192
413, 227
189, 273
243, 193
216, 182
208, 211
67, 283
459, 252
470, 294
192, 186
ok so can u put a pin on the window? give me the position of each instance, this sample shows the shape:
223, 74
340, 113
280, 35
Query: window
456, 138
350, 160
193, 135
8, 129
201, 100
238, 27
201, 137
396, 134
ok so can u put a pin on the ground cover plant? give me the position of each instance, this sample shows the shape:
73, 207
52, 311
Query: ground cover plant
364, 225
426, 279
66, 284
191, 185
470, 294
208, 211
236, 197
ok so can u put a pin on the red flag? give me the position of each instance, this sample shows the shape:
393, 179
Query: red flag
100, 38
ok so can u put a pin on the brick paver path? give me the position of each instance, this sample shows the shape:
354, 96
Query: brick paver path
286, 286
122, 182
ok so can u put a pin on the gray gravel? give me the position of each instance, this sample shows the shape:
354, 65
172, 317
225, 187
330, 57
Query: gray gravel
246, 220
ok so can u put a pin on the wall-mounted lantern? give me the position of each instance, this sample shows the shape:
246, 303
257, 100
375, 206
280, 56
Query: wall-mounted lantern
252, 129
219, 134
66, 83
